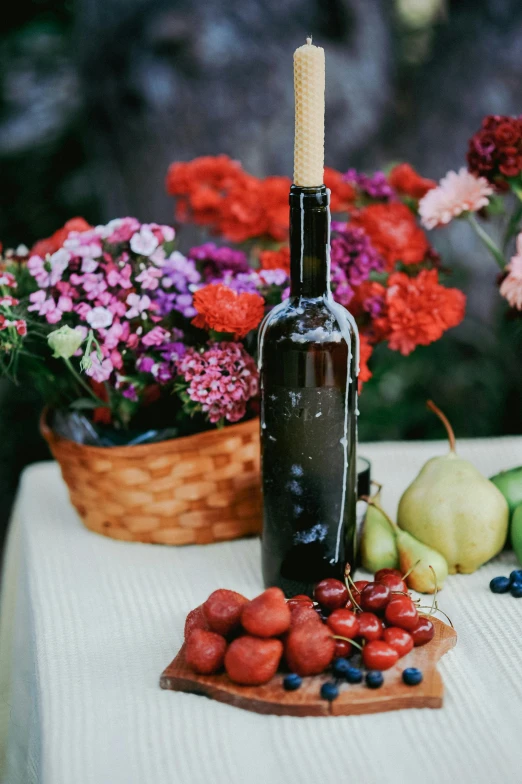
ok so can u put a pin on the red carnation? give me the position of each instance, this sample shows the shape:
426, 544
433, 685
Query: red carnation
393, 233
406, 181
495, 151
56, 240
224, 310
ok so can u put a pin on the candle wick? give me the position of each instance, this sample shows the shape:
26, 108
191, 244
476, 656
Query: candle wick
309, 40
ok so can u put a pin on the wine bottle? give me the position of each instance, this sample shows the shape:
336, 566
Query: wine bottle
308, 359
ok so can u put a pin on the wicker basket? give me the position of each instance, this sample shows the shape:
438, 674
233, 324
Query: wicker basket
196, 490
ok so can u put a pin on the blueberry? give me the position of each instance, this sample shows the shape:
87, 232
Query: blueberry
516, 576
292, 682
354, 675
412, 676
329, 691
516, 590
500, 584
374, 679
340, 667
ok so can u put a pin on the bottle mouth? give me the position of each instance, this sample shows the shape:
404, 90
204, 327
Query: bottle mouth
318, 196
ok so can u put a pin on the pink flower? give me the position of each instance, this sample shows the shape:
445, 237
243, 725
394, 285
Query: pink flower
149, 278
222, 379
456, 193
99, 318
65, 303
45, 306
82, 309
93, 284
155, 337
118, 230
117, 333
120, 277
8, 302
511, 286
7, 279
99, 371
138, 305
143, 243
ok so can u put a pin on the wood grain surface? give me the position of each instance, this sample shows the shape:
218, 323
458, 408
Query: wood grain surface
271, 698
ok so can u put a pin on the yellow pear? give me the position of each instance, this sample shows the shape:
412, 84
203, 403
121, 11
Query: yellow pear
417, 562
378, 547
451, 507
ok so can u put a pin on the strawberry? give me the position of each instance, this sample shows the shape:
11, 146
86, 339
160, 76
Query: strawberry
223, 610
252, 661
195, 620
301, 613
309, 648
268, 615
205, 651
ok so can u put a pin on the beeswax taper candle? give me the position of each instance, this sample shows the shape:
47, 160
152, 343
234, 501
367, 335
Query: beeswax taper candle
309, 82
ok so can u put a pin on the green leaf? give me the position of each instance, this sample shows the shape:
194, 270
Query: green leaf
84, 404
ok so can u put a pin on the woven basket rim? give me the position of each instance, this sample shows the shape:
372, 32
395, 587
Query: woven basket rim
168, 445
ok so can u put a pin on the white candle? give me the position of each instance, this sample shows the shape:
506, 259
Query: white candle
309, 83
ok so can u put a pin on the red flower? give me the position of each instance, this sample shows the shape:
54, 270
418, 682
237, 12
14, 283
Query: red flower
200, 186
495, 151
365, 352
418, 310
56, 240
393, 232
276, 259
407, 182
224, 310
255, 208
342, 194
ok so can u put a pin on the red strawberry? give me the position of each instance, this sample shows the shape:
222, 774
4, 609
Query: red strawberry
309, 648
301, 598
252, 661
205, 651
195, 620
301, 613
268, 615
223, 610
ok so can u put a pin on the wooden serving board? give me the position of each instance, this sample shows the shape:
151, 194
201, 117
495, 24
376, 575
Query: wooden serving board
271, 698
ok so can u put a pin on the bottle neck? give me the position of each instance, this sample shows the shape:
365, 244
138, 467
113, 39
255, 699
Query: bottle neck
309, 241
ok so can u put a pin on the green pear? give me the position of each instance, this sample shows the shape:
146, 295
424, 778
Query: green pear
378, 547
510, 485
451, 507
418, 558
516, 532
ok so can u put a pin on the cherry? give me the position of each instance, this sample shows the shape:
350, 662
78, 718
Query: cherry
342, 648
300, 599
344, 623
331, 594
348, 605
423, 632
374, 597
378, 655
370, 627
394, 582
381, 572
358, 586
399, 639
400, 611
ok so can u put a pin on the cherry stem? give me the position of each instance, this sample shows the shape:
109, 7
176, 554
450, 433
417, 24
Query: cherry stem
347, 581
445, 421
411, 569
347, 639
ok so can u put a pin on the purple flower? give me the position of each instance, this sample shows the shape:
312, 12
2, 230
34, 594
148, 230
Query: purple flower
352, 259
145, 364
179, 277
173, 352
216, 261
375, 185
241, 281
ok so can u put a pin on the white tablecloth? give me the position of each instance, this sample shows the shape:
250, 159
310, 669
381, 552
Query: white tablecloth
88, 624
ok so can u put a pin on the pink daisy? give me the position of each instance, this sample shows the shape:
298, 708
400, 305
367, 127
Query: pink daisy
456, 193
511, 286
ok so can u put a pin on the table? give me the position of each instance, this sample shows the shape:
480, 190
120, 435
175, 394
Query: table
89, 623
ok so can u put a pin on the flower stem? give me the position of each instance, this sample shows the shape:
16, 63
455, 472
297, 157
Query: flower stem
82, 383
488, 242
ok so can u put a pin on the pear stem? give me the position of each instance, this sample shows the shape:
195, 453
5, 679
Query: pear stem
445, 421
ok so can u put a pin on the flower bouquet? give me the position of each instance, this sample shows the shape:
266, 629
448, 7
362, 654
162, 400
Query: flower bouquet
139, 347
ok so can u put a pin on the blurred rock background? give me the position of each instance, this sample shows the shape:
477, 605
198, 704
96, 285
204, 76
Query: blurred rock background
97, 97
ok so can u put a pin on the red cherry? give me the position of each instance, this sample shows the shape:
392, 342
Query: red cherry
423, 632
342, 648
300, 599
358, 586
331, 593
394, 582
400, 611
374, 597
348, 605
344, 622
370, 627
377, 576
399, 639
378, 655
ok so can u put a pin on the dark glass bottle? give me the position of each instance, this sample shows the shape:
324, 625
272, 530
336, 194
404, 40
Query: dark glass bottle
308, 350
